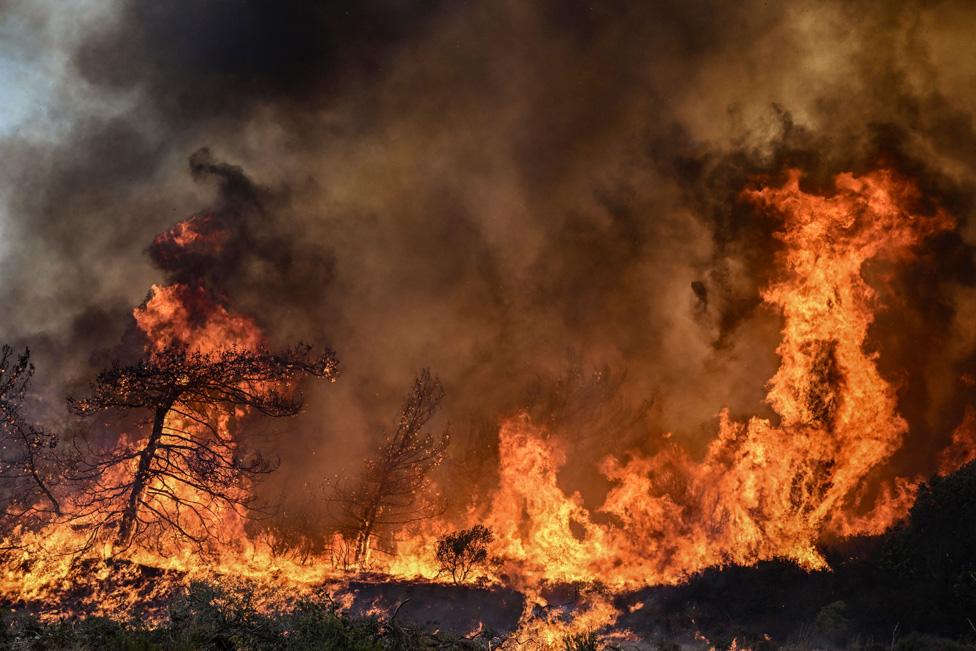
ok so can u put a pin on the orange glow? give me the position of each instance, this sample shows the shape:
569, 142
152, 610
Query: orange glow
200, 236
962, 447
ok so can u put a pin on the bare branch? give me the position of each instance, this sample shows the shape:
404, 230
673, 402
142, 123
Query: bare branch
29, 467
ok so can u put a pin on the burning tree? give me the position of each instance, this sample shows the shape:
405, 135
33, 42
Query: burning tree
27, 465
392, 490
189, 471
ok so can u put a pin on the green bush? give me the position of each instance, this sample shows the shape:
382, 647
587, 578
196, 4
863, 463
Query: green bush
833, 623
928, 564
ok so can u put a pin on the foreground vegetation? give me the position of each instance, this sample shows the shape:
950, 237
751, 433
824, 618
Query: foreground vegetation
224, 617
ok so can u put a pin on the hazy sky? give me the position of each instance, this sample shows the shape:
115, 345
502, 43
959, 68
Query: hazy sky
29, 75
36, 42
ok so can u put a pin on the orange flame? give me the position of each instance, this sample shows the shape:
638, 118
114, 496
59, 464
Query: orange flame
962, 447
189, 315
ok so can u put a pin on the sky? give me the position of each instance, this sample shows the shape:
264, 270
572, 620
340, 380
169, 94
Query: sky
26, 87
30, 75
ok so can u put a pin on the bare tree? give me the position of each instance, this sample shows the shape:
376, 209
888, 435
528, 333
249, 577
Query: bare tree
393, 487
189, 469
28, 467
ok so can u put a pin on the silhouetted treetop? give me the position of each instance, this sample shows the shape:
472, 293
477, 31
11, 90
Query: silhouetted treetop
258, 379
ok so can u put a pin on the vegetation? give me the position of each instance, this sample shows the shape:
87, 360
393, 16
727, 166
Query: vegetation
461, 552
28, 466
908, 590
581, 642
393, 488
911, 588
928, 563
223, 618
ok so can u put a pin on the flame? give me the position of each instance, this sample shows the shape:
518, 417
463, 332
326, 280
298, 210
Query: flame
962, 447
549, 626
190, 315
532, 518
764, 489
191, 243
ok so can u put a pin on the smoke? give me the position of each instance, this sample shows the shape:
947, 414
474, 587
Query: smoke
482, 187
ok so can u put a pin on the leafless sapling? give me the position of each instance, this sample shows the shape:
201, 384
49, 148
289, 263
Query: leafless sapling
393, 488
28, 466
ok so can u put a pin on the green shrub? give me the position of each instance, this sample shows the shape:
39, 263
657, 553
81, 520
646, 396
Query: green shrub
833, 623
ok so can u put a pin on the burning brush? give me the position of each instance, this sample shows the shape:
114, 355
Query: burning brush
175, 497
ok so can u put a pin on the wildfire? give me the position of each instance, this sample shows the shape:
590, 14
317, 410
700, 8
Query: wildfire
198, 240
192, 318
763, 489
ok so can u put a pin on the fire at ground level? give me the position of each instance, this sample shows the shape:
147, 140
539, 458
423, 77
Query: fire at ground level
911, 588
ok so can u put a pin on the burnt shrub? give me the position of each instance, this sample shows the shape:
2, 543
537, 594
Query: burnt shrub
461, 552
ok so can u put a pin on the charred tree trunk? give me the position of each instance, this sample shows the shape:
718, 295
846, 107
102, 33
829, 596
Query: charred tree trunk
186, 471
366, 528
128, 521
389, 491
362, 545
